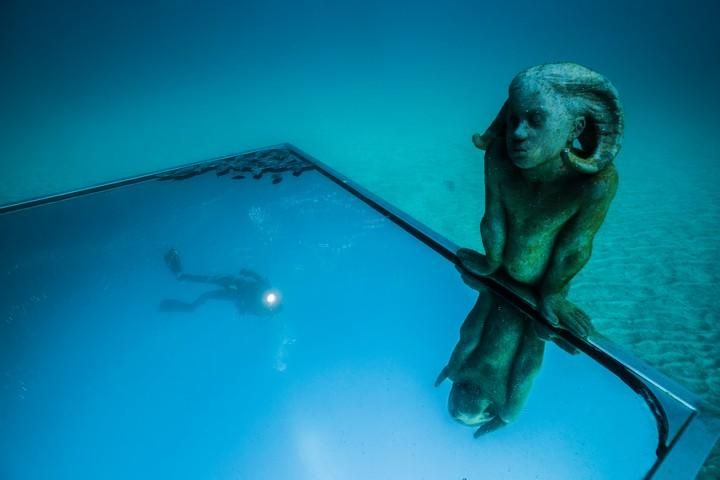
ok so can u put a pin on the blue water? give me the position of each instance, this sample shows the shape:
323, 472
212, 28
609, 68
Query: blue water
97, 382
96, 90
389, 93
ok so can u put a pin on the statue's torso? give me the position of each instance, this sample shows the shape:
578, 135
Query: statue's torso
534, 219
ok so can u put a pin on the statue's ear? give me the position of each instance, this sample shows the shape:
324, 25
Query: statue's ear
602, 133
578, 127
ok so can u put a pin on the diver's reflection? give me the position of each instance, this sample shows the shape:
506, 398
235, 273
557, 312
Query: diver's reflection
248, 291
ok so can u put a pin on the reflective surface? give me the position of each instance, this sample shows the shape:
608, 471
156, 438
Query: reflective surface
98, 381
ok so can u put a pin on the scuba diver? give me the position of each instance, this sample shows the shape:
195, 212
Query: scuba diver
250, 292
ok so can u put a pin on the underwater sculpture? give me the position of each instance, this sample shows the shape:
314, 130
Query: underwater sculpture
549, 181
493, 364
248, 291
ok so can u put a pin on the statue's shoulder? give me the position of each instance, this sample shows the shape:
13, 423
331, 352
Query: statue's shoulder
604, 183
608, 176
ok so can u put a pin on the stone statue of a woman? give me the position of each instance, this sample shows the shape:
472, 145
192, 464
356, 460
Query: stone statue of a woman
549, 181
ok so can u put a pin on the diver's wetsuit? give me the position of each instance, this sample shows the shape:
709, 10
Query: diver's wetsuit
245, 290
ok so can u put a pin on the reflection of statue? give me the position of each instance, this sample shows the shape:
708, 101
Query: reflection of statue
493, 364
549, 181
250, 292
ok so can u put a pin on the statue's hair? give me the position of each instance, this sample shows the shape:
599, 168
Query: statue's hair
592, 96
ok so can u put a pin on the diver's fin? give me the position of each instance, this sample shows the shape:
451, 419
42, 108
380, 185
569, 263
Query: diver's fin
172, 259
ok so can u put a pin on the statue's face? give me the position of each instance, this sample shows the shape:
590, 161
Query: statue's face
538, 124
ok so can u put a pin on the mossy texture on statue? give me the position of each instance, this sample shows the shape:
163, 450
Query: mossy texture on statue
494, 363
549, 181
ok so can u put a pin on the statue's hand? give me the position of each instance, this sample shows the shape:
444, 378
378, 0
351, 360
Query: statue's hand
484, 141
547, 335
560, 312
474, 262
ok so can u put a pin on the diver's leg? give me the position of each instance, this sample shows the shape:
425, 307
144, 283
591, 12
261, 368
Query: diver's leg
221, 280
189, 277
172, 260
178, 306
212, 295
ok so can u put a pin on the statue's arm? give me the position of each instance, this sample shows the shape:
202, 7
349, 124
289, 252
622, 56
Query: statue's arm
574, 244
493, 227
470, 336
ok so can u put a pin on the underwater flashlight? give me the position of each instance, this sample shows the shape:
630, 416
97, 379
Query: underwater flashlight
271, 298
